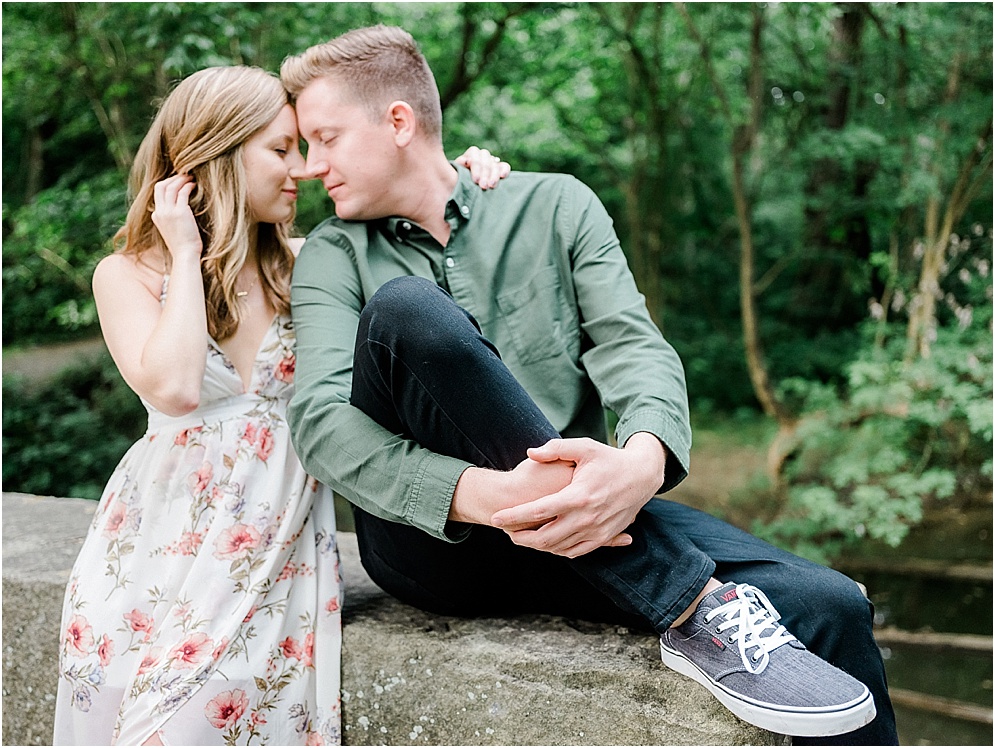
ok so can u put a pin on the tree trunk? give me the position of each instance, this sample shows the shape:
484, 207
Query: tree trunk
34, 163
643, 183
938, 228
823, 274
111, 121
922, 312
743, 141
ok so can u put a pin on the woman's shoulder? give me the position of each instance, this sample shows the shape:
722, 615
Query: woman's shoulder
126, 268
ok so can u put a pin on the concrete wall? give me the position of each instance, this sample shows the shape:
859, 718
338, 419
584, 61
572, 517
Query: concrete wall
408, 677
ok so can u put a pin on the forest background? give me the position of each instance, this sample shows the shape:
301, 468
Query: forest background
803, 190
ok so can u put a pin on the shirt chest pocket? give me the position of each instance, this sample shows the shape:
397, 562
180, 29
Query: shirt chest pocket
539, 320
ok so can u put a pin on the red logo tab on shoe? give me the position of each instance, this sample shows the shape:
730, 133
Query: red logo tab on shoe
730, 595
718, 643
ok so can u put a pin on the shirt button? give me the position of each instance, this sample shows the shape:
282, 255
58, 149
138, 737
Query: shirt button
450, 262
406, 226
465, 210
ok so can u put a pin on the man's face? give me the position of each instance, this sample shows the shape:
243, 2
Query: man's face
353, 155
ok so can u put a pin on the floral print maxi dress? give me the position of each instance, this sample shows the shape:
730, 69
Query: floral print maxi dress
204, 605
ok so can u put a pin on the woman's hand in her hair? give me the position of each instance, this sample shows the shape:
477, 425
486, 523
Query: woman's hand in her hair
485, 168
174, 218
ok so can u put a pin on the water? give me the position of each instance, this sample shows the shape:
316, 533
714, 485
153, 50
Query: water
917, 604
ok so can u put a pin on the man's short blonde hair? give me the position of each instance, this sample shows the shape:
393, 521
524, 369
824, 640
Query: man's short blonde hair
379, 64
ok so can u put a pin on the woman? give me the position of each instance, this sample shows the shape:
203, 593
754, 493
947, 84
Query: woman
204, 605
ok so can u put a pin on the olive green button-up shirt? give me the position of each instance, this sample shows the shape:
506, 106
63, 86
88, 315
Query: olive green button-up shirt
537, 263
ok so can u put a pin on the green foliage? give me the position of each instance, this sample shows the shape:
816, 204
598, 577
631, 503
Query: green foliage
897, 436
49, 257
616, 94
861, 137
65, 438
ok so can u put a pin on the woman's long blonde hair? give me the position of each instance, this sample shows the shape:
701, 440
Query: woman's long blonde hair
199, 130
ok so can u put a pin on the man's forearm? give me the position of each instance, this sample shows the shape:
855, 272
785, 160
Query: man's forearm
480, 493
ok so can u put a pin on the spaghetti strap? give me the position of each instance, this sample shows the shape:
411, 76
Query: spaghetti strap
165, 288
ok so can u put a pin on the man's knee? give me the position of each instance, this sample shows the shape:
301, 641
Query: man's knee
397, 303
413, 315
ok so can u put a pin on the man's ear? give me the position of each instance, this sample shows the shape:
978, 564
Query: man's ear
402, 119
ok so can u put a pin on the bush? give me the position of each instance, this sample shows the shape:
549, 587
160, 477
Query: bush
65, 438
867, 458
49, 256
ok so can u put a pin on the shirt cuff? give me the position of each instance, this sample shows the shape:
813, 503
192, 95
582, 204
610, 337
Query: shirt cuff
432, 496
674, 436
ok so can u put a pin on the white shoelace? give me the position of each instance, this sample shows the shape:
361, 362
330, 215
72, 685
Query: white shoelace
750, 614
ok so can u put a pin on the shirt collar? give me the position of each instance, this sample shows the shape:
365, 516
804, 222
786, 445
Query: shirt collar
459, 206
464, 195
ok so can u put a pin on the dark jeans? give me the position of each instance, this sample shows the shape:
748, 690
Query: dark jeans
424, 370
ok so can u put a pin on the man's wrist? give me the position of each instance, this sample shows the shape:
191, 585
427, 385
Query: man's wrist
652, 455
468, 502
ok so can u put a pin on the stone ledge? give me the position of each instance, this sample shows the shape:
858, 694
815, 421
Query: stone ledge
408, 677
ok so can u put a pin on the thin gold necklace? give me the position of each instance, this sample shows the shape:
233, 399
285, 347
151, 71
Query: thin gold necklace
242, 294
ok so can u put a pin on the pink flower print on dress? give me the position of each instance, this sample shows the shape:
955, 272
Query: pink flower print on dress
314, 738
220, 493
307, 651
236, 542
189, 652
291, 648
250, 432
189, 543
332, 605
285, 369
105, 651
287, 572
184, 436
258, 718
220, 649
264, 443
225, 709
78, 636
139, 622
248, 616
115, 521
104, 506
199, 481
150, 660
182, 610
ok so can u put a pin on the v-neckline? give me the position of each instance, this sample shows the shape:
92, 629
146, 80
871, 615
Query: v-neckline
255, 358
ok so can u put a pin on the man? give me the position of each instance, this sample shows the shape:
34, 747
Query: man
481, 481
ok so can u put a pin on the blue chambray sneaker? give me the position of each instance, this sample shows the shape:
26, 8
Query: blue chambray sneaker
734, 646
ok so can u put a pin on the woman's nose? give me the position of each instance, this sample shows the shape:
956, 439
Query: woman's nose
311, 168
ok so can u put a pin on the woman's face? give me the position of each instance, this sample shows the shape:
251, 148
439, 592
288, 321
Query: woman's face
273, 164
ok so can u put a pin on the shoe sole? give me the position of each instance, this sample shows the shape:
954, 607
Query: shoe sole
809, 722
